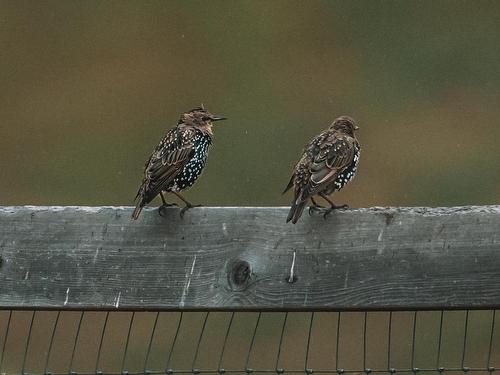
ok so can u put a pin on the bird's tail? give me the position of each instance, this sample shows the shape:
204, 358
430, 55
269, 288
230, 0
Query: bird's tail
137, 211
296, 210
141, 201
290, 184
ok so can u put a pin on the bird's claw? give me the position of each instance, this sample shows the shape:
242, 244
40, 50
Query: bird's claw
333, 208
342, 207
315, 209
162, 209
325, 211
188, 207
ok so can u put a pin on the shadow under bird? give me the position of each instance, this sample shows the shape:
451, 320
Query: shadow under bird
328, 162
178, 160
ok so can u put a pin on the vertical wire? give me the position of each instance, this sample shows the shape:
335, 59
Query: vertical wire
338, 342
127, 342
465, 337
28, 340
438, 360
199, 342
76, 342
364, 341
306, 367
281, 342
5, 340
175, 340
101, 341
51, 342
488, 363
414, 334
389, 342
150, 344
225, 341
252, 341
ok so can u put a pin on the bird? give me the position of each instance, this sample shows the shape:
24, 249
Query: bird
327, 164
177, 160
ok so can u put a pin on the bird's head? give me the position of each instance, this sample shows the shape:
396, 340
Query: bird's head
200, 118
345, 124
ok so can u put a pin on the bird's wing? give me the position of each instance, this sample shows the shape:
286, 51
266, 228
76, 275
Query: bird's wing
329, 159
167, 160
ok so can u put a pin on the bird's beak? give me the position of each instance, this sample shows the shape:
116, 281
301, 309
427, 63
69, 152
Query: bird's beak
356, 127
218, 118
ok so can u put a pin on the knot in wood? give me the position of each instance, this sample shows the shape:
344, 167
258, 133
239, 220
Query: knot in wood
239, 275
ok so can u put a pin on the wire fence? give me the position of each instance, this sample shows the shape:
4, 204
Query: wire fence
89, 342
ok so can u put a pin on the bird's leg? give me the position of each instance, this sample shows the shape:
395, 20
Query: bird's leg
333, 206
315, 207
165, 204
161, 209
188, 204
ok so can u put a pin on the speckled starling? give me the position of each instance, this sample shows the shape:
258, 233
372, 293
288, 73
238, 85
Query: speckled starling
328, 162
178, 159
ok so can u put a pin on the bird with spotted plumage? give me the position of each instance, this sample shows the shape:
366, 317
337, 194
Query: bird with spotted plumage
327, 164
177, 160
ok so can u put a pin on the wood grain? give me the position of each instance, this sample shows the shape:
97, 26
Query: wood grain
243, 259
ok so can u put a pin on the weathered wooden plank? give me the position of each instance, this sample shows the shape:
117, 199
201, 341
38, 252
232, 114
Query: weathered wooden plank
248, 258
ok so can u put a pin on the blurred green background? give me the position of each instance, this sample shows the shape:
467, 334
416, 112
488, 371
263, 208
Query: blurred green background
89, 88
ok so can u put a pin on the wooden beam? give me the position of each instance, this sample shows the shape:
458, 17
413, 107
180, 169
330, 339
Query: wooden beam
249, 259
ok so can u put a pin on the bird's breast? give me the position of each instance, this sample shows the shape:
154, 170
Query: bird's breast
195, 165
348, 173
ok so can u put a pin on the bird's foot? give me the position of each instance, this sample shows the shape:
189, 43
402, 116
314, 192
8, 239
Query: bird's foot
340, 207
188, 207
163, 208
333, 208
316, 208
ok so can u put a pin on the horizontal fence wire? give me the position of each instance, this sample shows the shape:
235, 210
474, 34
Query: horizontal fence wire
87, 342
